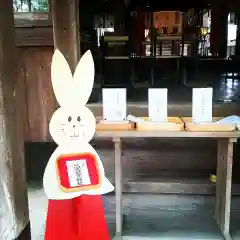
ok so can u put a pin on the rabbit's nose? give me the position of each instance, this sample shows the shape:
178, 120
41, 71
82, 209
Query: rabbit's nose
74, 126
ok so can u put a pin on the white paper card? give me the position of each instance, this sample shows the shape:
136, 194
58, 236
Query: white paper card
135, 119
202, 105
157, 104
114, 104
78, 174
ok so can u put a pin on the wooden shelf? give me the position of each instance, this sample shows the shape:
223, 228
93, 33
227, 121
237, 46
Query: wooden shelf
176, 186
165, 134
190, 126
111, 126
191, 182
173, 124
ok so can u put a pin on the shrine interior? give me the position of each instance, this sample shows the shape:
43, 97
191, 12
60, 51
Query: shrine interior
192, 51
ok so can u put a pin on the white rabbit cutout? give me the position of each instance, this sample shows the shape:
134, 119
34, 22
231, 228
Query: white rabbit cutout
70, 89
73, 125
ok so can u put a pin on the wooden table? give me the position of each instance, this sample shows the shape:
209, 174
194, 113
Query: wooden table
224, 170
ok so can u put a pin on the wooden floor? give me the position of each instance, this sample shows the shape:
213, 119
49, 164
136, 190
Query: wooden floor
161, 216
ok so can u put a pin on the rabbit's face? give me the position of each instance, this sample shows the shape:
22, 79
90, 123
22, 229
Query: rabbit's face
72, 126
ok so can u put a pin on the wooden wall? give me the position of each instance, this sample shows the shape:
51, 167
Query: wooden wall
34, 75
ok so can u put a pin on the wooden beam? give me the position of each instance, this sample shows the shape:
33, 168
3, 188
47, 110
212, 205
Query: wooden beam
36, 36
13, 187
65, 16
175, 186
32, 19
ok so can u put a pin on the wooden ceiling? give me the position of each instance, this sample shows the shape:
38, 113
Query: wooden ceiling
183, 5
155, 5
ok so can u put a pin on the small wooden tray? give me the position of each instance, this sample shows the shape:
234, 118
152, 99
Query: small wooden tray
149, 125
195, 127
108, 126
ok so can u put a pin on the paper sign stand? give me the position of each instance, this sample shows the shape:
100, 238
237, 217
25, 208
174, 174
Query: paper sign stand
157, 111
114, 104
202, 105
157, 104
114, 110
202, 119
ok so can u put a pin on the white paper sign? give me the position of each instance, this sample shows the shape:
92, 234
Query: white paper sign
157, 104
114, 104
78, 173
202, 105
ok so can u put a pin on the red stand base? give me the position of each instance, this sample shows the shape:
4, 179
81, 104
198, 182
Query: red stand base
81, 218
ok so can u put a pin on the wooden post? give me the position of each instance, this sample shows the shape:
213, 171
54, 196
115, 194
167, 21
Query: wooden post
224, 185
118, 187
14, 215
219, 30
237, 47
65, 16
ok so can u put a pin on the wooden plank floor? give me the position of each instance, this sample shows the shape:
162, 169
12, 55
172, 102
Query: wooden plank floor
165, 216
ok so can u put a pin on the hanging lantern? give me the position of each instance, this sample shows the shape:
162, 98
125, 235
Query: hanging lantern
204, 31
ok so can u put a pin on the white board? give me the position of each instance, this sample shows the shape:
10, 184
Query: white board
114, 104
157, 104
202, 105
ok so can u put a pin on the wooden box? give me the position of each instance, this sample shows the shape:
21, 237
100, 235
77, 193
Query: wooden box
113, 126
207, 127
173, 124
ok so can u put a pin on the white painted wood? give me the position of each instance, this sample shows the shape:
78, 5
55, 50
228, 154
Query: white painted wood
50, 178
73, 125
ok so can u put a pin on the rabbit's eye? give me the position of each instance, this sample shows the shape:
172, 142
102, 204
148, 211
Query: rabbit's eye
78, 119
69, 118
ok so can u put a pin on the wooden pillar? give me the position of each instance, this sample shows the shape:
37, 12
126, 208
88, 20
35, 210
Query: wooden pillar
14, 215
237, 47
118, 188
65, 16
139, 30
119, 18
219, 30
224, 185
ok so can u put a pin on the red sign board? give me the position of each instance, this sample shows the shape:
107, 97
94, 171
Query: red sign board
78, 172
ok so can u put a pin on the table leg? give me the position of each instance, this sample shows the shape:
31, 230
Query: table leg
118, 187
184, 73
224, 185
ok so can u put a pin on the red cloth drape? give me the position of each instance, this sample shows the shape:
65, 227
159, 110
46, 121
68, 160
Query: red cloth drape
81, 218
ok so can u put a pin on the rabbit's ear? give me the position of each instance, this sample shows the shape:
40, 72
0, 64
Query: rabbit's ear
83, 78
62, 79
